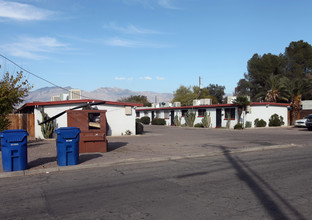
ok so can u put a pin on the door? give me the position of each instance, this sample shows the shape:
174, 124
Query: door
152, 115
218, 119
172, 117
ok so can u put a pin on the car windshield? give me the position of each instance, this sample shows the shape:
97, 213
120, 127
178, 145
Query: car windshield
309, 116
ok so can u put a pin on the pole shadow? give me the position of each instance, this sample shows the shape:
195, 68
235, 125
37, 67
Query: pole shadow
271, 207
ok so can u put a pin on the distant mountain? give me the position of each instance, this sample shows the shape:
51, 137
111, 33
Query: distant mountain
103, 93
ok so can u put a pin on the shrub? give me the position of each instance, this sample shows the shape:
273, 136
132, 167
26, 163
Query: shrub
248, 124
177, 120
189, 118
145, 120
206, 120
158, 121
139, 128
260, 123
238, 126
199, 125
276, 120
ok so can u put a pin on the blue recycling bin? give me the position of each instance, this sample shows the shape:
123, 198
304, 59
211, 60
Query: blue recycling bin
67, 144
14, 150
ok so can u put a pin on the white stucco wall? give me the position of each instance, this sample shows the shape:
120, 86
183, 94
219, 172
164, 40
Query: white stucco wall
116, 117
265, 112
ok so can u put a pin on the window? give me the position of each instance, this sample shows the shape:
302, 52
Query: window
145, 113
201, 112
230, 111
157, 114
137, 114
94, 121
167, 114
183, 112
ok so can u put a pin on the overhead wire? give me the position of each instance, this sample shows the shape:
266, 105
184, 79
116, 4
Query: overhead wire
39, 77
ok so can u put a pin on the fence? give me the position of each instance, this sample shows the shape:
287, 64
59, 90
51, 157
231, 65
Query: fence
23, 121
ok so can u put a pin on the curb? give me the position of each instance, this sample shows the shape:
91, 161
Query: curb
130, 161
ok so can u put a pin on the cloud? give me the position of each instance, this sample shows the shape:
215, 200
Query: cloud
146, 78
160, 78
119, 42
130, 29
33, 48
124, 78
22, 12
152, 4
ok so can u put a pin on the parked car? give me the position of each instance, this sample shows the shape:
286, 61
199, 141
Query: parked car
301, 122
308, 122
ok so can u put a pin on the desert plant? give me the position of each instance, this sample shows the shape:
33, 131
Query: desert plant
177, 120
47, 128
199, 125
228, 123
248, 124
206, 120
145, 120
276, 120
189, 118
158, 121
259, 123
139, 128
238, 126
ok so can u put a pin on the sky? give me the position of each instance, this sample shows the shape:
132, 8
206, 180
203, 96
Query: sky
145, 45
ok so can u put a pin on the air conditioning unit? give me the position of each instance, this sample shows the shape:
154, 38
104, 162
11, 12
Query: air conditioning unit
64, 96
196, 102
177, 104
55, 98
205, 102
74, 94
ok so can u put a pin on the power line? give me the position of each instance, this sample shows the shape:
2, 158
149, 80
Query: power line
42, 78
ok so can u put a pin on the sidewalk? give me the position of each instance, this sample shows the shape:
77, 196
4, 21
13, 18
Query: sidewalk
158, 143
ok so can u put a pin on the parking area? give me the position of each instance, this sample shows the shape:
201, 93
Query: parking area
165, 143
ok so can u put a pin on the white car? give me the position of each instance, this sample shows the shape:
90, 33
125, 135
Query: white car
301, 122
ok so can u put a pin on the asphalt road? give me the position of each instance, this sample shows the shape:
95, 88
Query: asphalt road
271, 184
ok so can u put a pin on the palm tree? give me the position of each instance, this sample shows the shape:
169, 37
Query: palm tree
295, 89
242, 102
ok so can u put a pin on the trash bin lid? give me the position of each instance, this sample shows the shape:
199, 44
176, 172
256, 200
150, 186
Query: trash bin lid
68, 132
16, 135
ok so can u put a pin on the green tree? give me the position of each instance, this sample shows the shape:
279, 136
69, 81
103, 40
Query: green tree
136, 99
186, 95
13, 90
217, 91
242, 102
299, 59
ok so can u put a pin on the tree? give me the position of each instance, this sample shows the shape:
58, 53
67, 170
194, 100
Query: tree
186, 95
136, 99
216, 91
299, 59
242, 102
13, 90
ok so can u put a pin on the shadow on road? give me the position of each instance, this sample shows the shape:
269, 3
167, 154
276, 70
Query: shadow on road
41, 161
115, 145
266, 200
86, 157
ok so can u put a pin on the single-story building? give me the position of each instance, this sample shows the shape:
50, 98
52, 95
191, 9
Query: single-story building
218, 113
120, 116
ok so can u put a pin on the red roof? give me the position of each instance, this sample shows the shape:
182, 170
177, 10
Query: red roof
78, 101
214, 106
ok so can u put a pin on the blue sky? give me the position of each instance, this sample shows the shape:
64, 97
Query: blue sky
146, 45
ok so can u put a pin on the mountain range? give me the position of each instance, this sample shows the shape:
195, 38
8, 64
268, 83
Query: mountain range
102, 93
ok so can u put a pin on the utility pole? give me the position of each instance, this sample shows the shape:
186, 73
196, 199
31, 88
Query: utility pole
200, 84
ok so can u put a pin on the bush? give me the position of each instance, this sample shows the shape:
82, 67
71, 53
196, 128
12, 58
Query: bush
158, 121
248, 124
260, 123
199, 125
276, 120
145, 120
238, 126
139, 128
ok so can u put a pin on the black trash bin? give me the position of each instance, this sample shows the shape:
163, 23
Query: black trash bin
67, 144
14, 150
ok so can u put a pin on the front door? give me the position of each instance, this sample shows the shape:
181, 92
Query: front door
218, 119
172, 117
